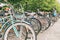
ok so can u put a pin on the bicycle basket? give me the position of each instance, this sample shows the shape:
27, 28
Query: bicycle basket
18, 15
19, 11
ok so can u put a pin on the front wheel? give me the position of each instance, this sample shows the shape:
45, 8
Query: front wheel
45, 24
36, 25
10, 35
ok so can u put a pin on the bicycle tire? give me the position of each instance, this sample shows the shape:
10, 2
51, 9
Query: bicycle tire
36, 24
26, 25
49, 23
46, 25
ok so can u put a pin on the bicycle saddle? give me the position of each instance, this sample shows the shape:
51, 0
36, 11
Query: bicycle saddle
30, 13
40, 13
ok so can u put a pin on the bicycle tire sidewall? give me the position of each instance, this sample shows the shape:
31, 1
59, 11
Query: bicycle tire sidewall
39, 24
35, 38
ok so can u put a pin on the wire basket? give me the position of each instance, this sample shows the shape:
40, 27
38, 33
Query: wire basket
19, 12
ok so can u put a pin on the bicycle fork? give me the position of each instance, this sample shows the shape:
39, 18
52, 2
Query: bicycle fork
14, 28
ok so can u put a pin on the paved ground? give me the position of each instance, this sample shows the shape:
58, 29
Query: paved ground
53, 33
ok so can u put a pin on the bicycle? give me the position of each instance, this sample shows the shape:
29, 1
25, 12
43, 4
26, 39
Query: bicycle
52, 18
44, 20
40, 23
14, 23
31, 17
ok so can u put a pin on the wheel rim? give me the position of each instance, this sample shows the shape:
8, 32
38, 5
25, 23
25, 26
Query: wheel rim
5, 37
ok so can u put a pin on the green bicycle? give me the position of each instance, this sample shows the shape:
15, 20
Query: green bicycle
16, 29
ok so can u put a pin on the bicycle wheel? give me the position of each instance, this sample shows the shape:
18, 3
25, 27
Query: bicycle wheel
22, 32
36, 25
45, 24
48, 23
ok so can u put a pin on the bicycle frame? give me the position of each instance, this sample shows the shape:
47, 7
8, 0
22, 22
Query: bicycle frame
12, 22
